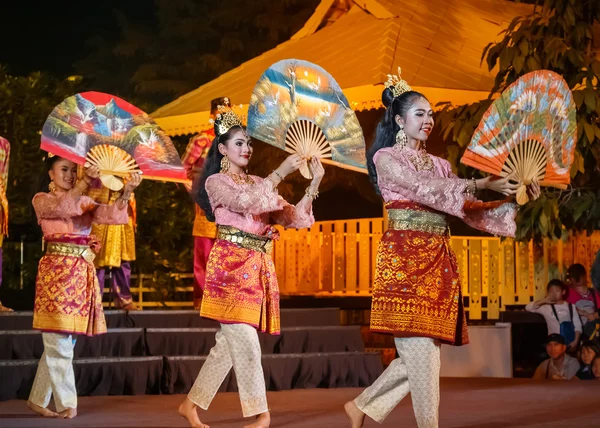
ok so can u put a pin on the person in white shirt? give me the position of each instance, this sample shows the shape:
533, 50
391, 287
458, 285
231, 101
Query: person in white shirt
557, 311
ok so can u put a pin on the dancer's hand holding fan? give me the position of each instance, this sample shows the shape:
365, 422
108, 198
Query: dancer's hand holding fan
299, 107
528, 134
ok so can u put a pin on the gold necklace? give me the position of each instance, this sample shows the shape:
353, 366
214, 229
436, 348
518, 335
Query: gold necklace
242, 178
422, 162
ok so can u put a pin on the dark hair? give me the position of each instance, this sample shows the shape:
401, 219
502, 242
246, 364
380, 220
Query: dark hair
555, 337
212, 165
577, 272
556, 283
44, 182
591, 345
385, 134
216, 103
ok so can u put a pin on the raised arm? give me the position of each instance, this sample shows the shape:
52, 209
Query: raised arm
300, 216
116, 213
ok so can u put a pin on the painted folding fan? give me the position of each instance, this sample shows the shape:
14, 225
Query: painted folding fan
298, 107
105, 131
529, 132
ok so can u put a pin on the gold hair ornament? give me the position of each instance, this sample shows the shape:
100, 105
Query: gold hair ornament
396, 84
226, 118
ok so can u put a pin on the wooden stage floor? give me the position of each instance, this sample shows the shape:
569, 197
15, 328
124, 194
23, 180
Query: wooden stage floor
485, 403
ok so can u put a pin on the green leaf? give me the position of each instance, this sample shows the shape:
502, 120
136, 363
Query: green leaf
578, 96
524, 47
590, 97
506, 57
589, 131
518, 63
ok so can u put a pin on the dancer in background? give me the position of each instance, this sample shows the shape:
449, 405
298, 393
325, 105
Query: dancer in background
67, 295
241, 289
416, 290
117, 250
4, 157
204, 231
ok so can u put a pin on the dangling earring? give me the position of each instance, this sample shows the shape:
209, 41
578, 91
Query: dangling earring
224, 164
401, 138
52, 187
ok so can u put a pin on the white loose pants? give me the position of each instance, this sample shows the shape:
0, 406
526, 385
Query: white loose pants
238, 347
55, 375
416, 370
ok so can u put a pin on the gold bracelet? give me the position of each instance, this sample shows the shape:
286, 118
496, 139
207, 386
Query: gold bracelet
312, 195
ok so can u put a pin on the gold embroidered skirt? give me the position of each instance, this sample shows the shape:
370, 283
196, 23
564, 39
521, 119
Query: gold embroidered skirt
117, 243
67, 294
241, 285
416, 291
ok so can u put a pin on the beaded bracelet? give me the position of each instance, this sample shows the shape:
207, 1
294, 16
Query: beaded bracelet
312, 195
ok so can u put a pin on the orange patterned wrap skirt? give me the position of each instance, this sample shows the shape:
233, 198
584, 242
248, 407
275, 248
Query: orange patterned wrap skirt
241, 285
417, 291
67, 293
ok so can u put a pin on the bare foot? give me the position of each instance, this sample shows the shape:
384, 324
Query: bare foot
4, 308
68, 414
187, 410
262, 421
129, 307
47, 413
355, 415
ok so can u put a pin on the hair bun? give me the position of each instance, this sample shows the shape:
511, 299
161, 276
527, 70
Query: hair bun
387, 96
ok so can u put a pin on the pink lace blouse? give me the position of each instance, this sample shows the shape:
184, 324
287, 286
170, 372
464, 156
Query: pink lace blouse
440, 189
61, 213
254, 207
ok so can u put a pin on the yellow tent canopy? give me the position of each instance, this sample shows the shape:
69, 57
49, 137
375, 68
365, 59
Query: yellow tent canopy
438, 44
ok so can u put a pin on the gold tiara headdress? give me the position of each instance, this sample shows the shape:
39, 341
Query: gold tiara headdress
396, 84
226, 118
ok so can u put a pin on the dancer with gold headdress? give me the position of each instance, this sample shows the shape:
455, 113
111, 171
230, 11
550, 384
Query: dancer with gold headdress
204, 231
67, 295
4, 156
416, 291
241, 289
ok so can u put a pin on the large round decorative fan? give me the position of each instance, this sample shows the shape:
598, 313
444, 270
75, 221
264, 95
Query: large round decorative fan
299, 107
528, 133
103, 130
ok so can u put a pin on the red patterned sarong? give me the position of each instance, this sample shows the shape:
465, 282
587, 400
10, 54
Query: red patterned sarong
241, 287
67, 293
417, 289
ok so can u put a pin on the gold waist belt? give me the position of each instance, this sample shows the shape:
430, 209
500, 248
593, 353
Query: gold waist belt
245, 239
420, 221
65, 249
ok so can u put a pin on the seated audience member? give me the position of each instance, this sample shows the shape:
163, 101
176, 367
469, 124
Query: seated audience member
596, 368
561, 317
589, 351
559, 366
585, 299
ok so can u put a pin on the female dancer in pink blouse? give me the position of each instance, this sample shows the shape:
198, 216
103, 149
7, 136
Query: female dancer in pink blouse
416, 290
241, 287
67, 295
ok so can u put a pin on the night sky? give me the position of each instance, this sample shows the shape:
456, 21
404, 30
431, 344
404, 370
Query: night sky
51, 35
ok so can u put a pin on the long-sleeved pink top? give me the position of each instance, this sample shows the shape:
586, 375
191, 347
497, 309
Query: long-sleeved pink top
60, 212
440, 189
254, 207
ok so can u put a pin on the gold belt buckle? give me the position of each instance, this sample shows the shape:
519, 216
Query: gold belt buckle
88, 255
